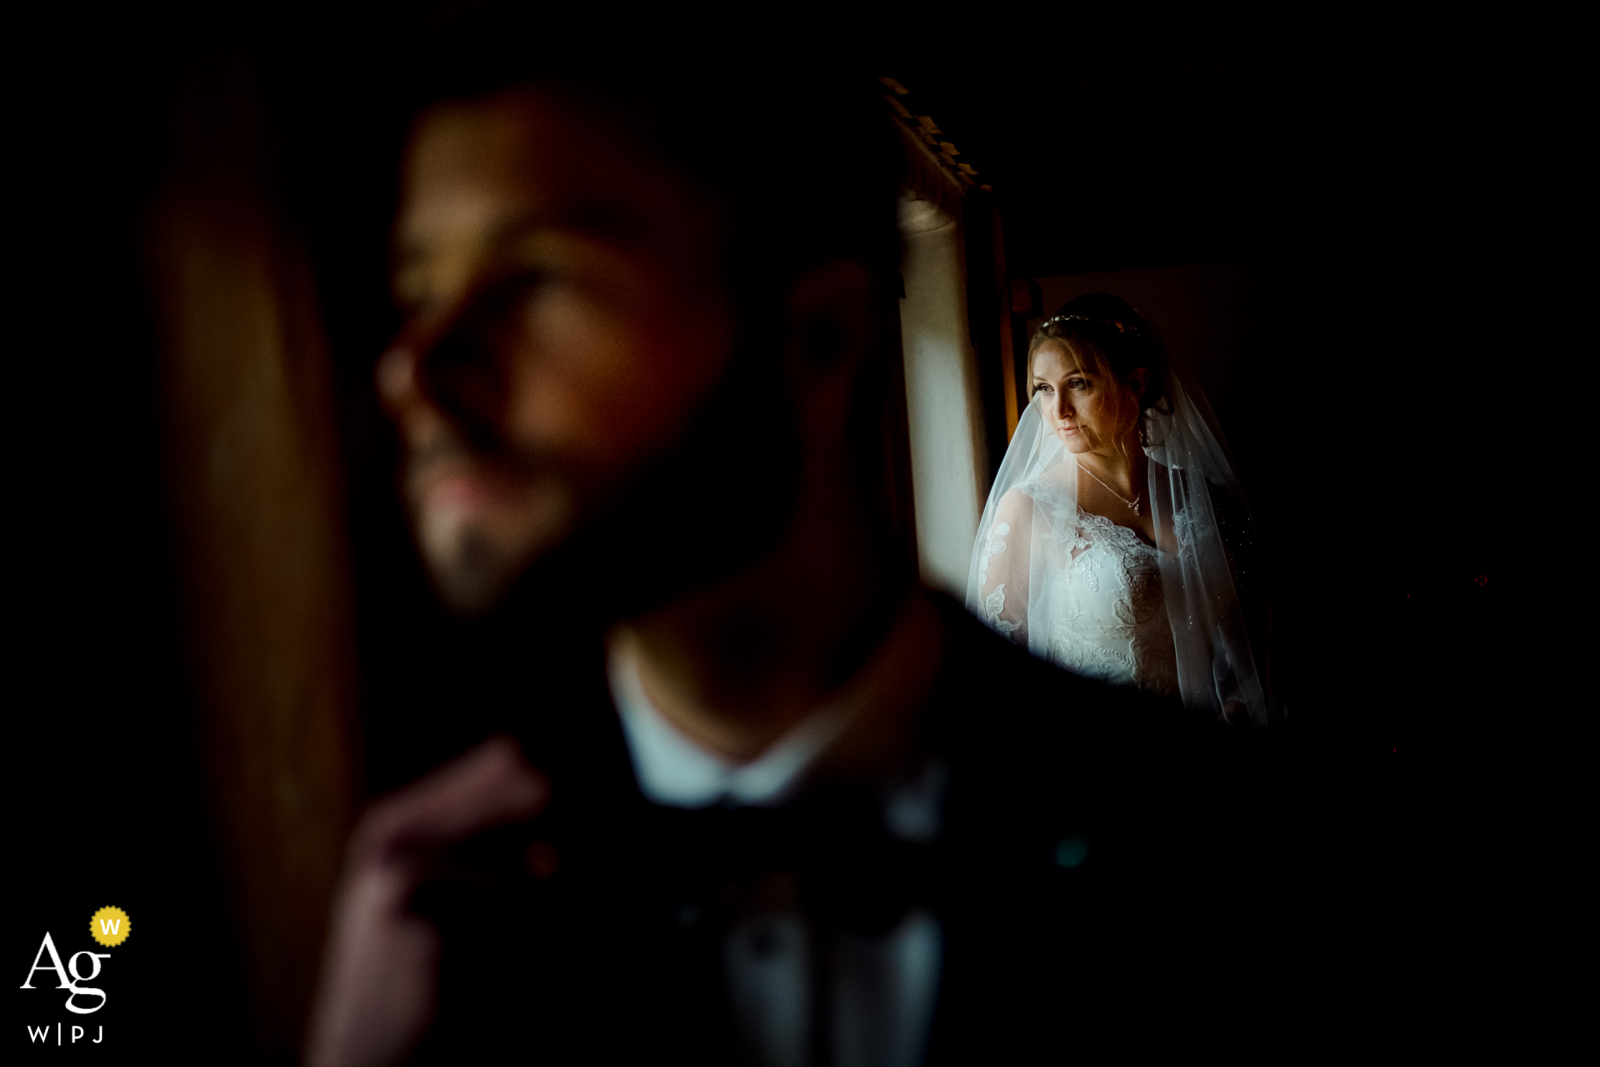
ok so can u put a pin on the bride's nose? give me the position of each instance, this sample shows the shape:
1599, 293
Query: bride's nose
1063, 405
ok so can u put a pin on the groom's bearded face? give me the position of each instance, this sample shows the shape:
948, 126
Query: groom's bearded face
567, 322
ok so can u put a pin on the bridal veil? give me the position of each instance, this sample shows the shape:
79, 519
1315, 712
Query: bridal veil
1205, 550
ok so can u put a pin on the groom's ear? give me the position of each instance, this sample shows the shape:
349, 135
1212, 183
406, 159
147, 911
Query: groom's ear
1138, 380
829, 312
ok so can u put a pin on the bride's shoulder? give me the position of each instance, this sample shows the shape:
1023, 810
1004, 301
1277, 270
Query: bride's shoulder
1017, 504
1023, 504
1043, 492
1018, 496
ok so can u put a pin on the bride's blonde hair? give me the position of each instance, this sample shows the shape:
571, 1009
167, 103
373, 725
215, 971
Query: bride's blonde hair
1111, 340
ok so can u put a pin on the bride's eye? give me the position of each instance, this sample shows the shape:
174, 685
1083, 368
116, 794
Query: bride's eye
1040, 387
1078, 383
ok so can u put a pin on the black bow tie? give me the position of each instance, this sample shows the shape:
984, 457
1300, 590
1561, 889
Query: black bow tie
831, 843
850, 872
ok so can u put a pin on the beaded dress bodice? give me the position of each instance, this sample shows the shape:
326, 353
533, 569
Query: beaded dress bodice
1094, 603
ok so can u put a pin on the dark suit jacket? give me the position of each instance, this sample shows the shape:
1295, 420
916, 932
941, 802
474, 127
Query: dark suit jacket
1110, 874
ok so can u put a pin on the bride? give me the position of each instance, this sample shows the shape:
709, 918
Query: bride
1114, 537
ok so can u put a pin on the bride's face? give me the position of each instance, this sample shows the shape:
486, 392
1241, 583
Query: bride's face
1081, 405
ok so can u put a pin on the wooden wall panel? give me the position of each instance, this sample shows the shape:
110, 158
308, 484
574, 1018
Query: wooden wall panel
253, 479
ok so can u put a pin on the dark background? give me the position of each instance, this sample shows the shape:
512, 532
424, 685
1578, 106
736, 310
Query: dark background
1404, 323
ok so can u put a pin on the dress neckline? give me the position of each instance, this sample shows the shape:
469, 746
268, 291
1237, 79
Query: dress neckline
1131, 534
1055, 491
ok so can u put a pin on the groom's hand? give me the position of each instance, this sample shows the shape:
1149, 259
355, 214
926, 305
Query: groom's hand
379, 983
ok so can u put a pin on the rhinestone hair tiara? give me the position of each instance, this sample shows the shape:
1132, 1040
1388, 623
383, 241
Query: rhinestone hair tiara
1115, 324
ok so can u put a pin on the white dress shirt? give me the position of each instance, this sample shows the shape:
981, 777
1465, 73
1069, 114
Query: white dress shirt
881, 989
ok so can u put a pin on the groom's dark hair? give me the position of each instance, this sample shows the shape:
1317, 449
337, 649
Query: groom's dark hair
802, 158
806, 166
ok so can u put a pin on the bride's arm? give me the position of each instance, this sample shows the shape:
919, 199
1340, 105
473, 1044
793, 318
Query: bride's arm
1003, 567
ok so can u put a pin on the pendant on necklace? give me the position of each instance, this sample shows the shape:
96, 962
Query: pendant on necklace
1135, 505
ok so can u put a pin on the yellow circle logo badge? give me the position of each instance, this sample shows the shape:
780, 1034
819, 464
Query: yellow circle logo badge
109, 926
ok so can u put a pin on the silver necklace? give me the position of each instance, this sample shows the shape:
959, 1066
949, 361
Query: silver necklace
1134, 503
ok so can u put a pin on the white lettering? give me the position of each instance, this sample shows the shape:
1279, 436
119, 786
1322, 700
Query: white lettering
110, 926
77, 1032
102, 1036
42, 1034
54, 965
77, 990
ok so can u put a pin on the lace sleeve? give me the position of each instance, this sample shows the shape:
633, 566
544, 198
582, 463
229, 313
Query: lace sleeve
1003, 567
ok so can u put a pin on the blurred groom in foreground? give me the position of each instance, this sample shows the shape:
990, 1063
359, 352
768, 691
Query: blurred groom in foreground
770, 802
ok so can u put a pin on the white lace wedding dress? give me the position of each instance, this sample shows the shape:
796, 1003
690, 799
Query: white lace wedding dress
1079, 590
1076, 588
